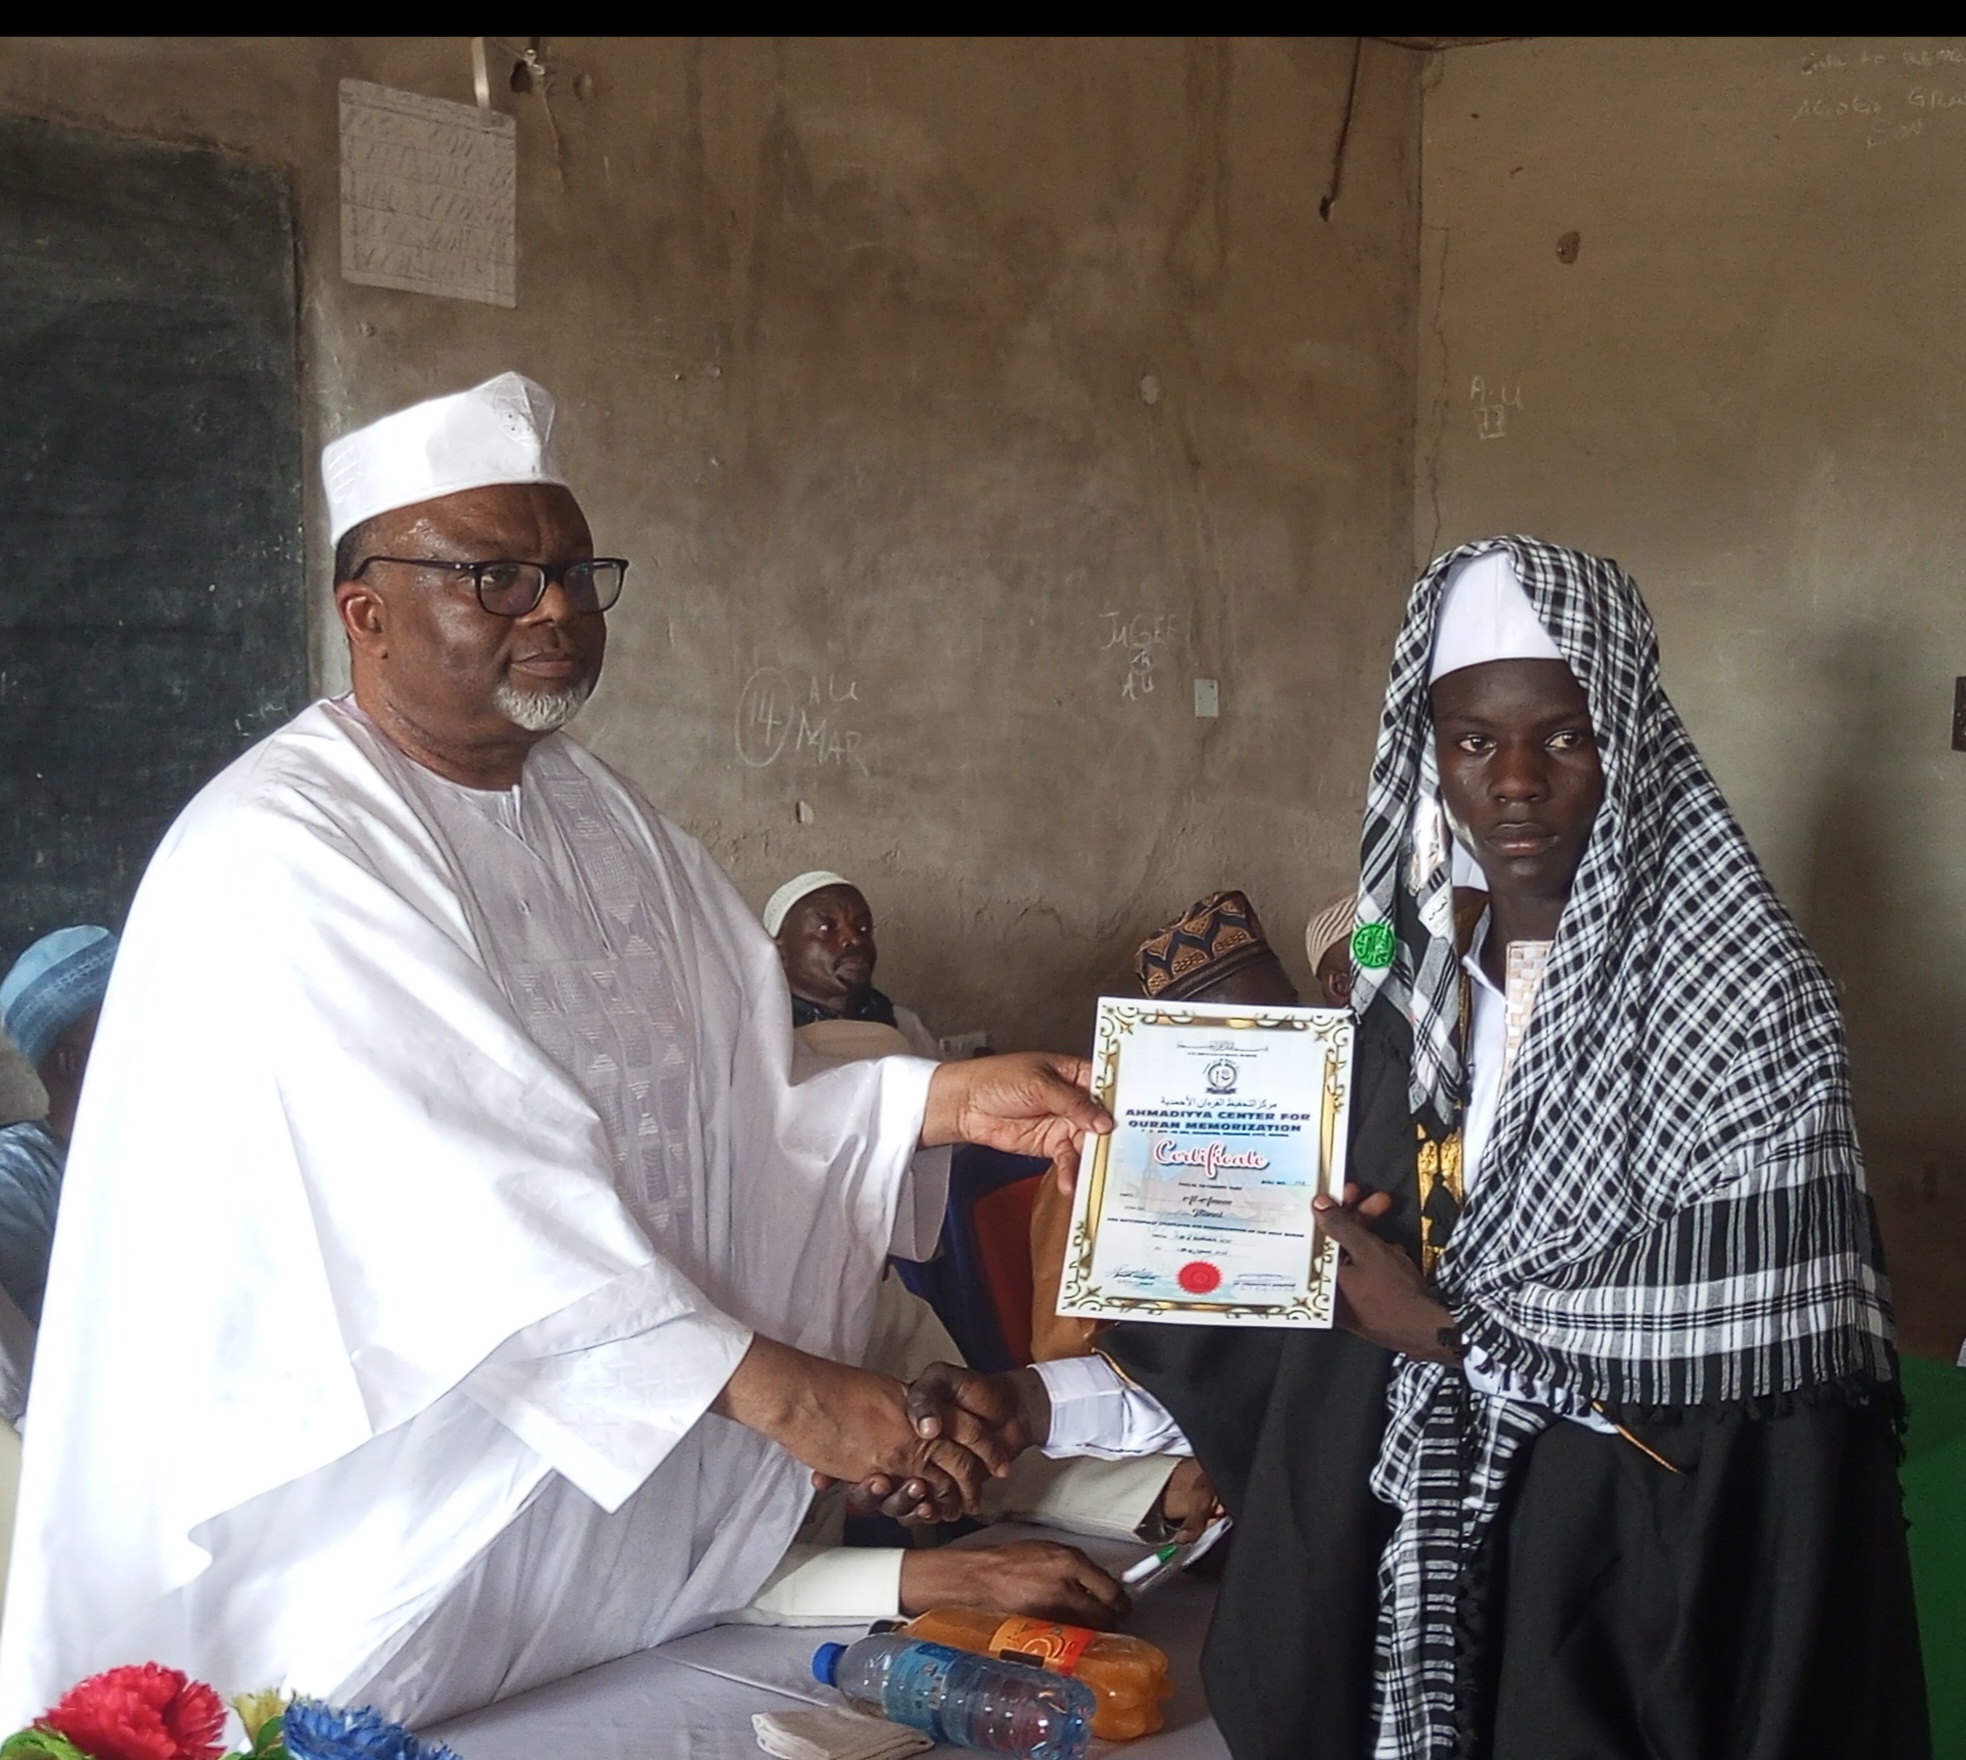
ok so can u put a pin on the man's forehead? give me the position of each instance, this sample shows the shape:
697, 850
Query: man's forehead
519, 518
1508, 687
829, 900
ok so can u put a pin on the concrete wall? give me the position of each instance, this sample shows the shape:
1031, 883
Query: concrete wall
1747, 386
958, 404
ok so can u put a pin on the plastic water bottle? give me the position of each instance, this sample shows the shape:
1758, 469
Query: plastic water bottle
968, 1701
1128, 1676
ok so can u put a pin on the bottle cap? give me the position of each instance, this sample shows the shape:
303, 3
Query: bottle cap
826, 1664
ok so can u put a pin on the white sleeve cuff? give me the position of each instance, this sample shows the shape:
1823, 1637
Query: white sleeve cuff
924, 1191
1110, 1499
1095, 1411
605, 1388
828, 1586
923, 1203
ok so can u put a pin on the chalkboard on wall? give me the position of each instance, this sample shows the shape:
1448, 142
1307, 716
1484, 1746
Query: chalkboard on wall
151, 614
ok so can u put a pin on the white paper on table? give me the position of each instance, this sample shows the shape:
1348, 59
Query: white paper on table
1229, 1120
822, 1733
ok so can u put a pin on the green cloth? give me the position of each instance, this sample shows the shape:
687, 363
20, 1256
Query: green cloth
1934, 1476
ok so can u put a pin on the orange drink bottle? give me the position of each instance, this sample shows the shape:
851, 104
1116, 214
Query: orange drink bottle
1128, 1676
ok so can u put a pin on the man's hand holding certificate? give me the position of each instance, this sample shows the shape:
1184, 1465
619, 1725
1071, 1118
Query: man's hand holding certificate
1230, 1119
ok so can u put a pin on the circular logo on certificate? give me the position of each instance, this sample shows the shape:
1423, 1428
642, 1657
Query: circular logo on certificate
1198, 1277
1221, 1076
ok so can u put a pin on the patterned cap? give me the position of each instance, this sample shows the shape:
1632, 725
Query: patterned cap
1216, 935
1330, 924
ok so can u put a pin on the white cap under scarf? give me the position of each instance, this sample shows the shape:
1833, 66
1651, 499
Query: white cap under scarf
497, 432
1485, 615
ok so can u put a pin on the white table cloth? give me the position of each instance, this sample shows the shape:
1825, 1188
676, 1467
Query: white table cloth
692, 1699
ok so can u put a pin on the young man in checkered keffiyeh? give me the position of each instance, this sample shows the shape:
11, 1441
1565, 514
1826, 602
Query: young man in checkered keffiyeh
1630, 1432
1644, 1482
1605, 1463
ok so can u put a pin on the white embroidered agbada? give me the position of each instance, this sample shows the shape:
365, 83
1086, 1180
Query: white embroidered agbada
440, 1151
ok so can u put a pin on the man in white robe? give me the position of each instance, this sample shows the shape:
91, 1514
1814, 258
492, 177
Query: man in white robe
456, 1268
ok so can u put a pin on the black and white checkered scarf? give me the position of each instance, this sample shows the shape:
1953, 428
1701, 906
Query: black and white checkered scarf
1672, 1208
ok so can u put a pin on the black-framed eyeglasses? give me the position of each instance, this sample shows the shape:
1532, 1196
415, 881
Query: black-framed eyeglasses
514, 589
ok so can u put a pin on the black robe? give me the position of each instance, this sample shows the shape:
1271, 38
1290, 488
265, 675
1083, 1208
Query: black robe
1756, 1606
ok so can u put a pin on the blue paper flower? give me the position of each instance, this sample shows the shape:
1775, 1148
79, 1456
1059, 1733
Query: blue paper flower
313, 1731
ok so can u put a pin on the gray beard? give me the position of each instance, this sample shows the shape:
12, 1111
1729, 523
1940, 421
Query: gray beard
540, 711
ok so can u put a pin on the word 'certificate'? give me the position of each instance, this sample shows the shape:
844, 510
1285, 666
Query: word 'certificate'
1229, 1120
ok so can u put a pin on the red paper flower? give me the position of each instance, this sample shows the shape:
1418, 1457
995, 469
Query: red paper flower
142, 1712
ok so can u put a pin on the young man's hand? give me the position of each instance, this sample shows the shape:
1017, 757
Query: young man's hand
1381, 1294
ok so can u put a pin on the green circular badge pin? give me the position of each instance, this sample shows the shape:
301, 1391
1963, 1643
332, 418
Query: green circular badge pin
1372, 946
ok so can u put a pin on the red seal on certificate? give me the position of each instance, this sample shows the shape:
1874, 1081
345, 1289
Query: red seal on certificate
1198, 1277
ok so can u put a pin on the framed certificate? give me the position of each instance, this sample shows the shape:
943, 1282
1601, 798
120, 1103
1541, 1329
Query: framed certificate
1228, 1120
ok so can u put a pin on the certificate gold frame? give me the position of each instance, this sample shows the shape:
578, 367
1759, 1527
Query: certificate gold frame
1119, 1020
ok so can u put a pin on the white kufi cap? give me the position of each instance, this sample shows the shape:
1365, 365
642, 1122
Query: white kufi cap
497, 432
1485, 615
779, 906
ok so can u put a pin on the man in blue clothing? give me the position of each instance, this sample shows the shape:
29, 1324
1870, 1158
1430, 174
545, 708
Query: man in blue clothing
49, 1001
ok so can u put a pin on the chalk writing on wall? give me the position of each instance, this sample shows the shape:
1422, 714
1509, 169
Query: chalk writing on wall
1137, 637
1828, 61
1882, 111
800, 718
428, 195
1492, 402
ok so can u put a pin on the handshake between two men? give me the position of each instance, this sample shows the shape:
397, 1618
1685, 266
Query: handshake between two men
852, 1425
994, 1419
928, 1452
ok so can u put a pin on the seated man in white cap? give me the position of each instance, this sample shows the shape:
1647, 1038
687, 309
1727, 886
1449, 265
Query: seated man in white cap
494, 1324
825, 934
